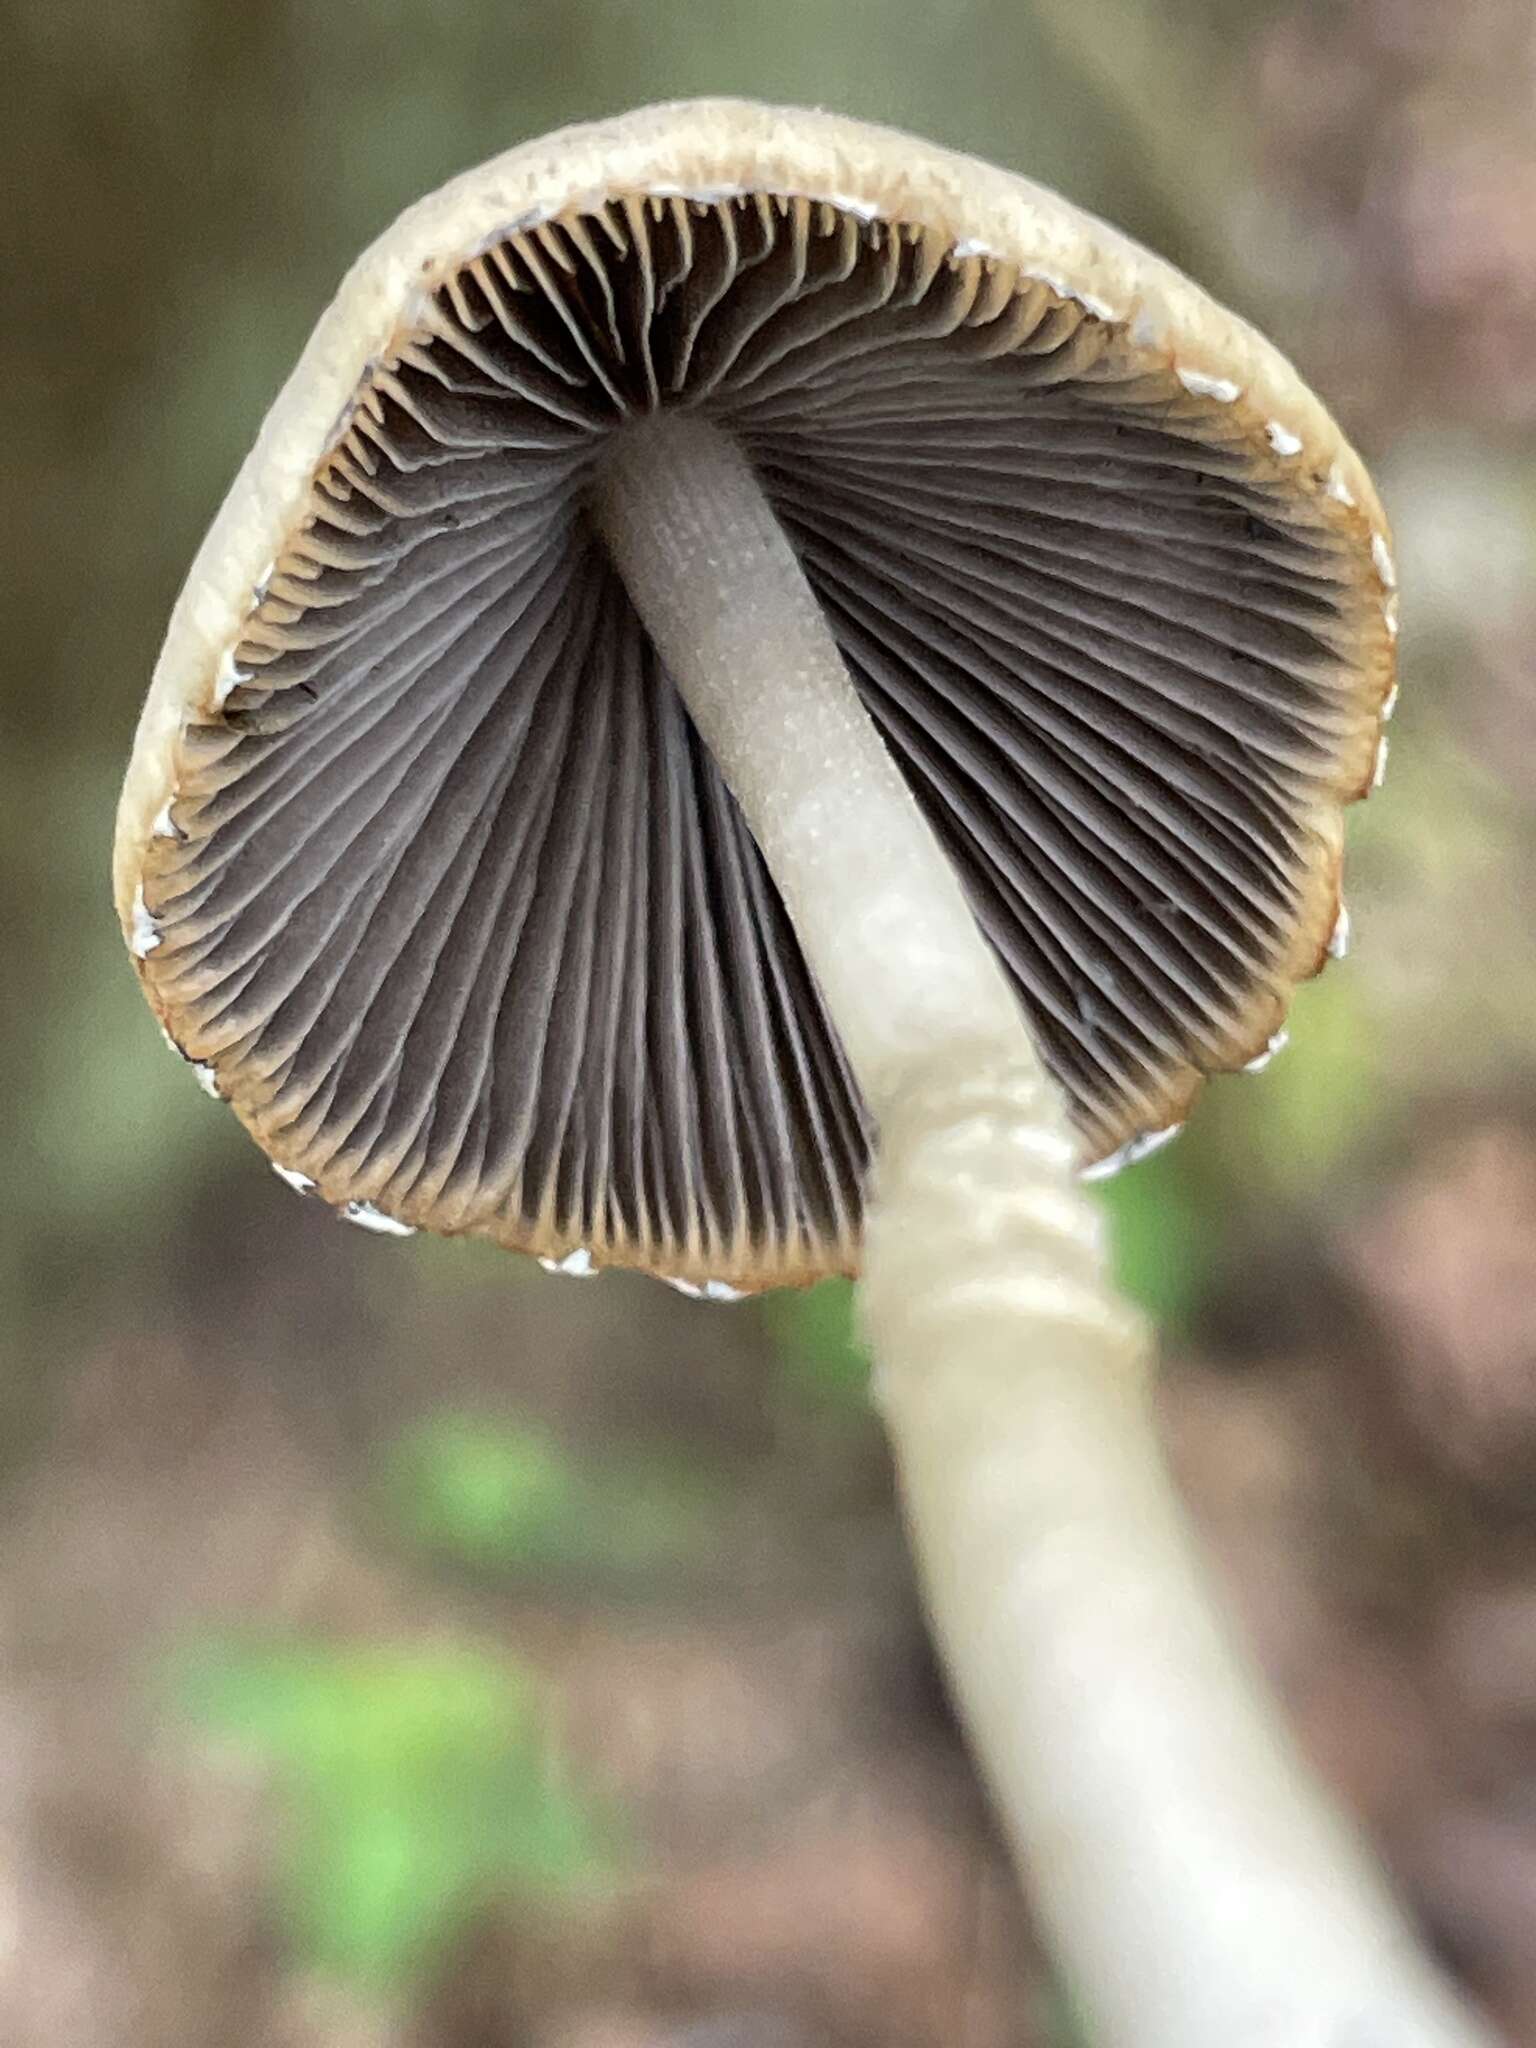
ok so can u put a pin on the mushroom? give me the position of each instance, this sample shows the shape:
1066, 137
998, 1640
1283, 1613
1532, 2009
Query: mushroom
750, 642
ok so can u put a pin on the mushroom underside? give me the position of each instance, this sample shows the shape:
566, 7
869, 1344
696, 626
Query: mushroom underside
456, 903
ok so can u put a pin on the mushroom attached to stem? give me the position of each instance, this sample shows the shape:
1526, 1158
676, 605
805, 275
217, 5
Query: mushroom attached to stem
745, 632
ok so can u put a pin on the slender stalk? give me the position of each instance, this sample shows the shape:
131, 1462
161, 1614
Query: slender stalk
1197, 1886
878, 909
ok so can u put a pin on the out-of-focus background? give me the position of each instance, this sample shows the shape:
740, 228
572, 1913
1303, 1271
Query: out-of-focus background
401, 1648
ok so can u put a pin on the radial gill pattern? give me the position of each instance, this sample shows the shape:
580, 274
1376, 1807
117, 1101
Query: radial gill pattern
458, 908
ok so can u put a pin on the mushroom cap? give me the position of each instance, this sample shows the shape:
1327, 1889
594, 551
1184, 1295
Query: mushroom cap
419, 855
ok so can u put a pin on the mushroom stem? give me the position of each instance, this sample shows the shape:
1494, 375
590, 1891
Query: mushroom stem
1198, 1887
877, 907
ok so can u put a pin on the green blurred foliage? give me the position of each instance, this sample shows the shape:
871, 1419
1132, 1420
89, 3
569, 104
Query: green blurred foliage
823, 1363
494, 1496
418, 1785
1314, 1099
1160, 1236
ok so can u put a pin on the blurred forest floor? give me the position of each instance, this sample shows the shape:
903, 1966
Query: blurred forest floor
400, 1648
